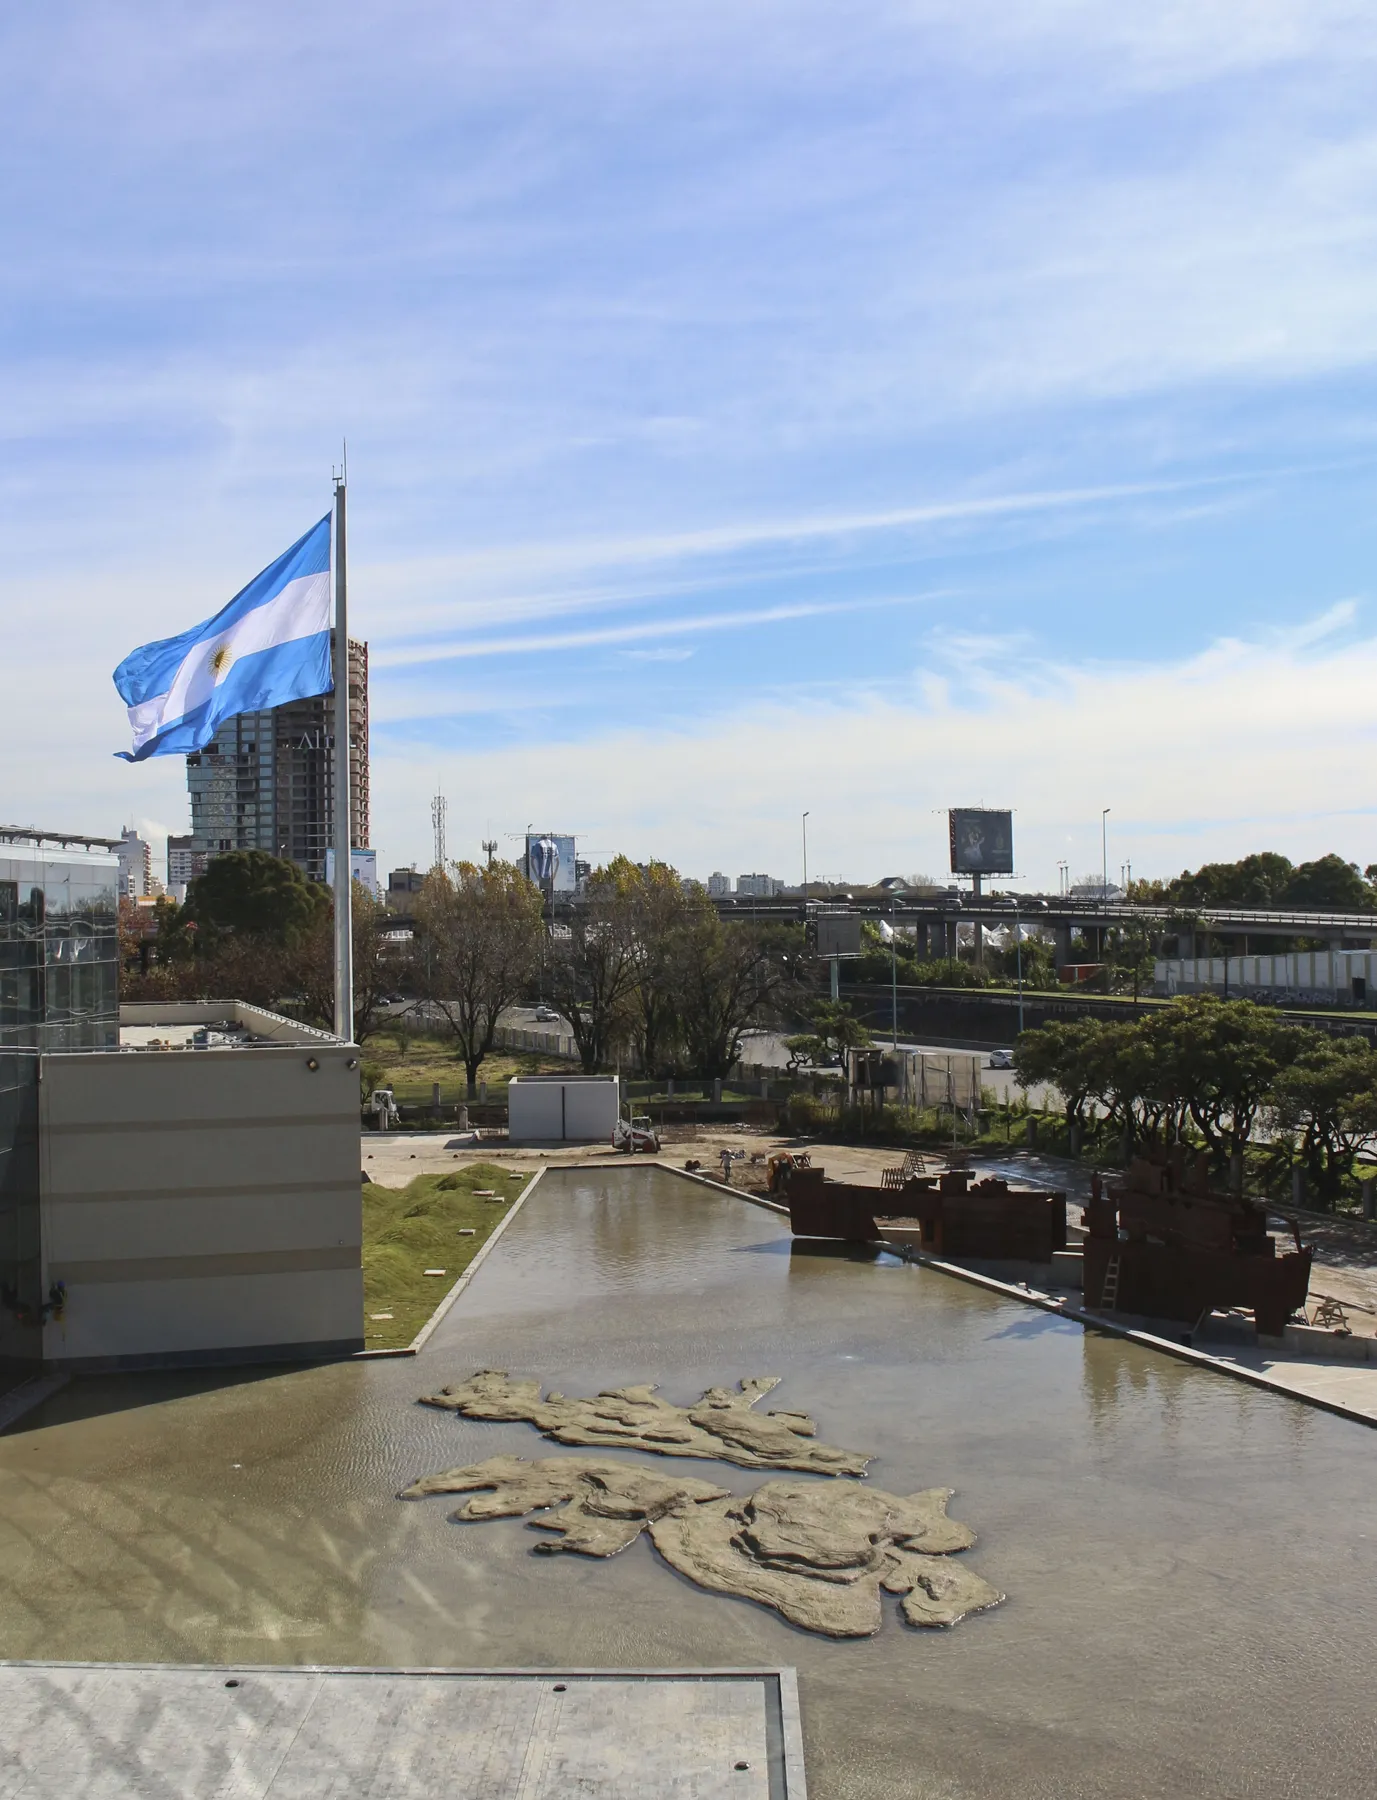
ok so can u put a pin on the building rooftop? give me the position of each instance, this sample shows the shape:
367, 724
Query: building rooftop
211, 1025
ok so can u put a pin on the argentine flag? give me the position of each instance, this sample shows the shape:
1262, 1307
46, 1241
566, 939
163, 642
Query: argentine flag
269, 645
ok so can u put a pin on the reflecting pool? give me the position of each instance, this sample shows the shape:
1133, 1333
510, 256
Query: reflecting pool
1191, 1563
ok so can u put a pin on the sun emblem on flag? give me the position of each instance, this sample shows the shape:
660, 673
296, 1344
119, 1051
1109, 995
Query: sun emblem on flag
221, 660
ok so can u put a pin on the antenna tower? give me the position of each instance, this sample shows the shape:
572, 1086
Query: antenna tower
490, 849
439, 806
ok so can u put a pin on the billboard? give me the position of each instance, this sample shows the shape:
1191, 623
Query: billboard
838, 934
550, 862
363, 868
982, 842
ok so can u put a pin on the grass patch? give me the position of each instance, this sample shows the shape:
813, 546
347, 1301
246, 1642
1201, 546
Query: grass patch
409, 1230
414, 1063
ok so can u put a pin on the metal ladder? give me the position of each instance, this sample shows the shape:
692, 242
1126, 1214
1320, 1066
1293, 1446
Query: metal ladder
1109, 1293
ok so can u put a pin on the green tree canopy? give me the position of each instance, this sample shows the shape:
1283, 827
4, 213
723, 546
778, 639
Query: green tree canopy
1268, 880
250, 894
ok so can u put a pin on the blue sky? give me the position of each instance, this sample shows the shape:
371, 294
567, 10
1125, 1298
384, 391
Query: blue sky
751, 407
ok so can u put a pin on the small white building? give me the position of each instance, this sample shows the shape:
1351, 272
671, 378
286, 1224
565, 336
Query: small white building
562, 1108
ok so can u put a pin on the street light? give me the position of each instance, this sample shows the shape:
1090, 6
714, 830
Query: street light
894, 973
1018, 956
1104, 854
805, 859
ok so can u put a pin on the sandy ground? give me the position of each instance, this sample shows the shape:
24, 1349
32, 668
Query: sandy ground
1345, 1250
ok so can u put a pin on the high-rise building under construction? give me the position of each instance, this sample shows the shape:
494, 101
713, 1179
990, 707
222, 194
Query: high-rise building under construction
267, 782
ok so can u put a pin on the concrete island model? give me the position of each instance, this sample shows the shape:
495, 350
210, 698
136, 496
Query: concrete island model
819, 1553
720, 1426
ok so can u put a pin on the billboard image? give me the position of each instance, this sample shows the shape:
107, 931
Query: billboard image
550, 862
982, 842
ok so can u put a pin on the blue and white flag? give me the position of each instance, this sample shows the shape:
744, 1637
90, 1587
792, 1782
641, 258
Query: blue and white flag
269, 645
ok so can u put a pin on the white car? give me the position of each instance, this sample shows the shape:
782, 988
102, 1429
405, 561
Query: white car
1001, 1059
545, 1016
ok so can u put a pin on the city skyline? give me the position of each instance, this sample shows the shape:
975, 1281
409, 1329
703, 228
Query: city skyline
747, 415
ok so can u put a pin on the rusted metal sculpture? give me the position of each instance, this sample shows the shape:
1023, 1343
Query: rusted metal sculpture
1162, 1243
951, 1214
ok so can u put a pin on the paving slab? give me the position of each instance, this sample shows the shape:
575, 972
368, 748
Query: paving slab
161, 1732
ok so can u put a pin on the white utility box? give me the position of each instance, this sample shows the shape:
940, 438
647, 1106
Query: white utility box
561, 1108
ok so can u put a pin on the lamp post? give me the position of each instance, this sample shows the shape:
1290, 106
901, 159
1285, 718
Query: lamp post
893, 976
805, 859
1104, 854
1018, 957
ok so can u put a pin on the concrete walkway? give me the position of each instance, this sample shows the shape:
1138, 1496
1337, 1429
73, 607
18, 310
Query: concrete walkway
161, 1733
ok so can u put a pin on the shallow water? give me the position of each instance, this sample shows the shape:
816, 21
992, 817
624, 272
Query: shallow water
1191, 1564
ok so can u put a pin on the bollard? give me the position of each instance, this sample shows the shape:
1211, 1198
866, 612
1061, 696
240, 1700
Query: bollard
435, 1098
1370, 1199
764, 1087
717, 1090
463, 1118
669, 1087
1031, 1132
482, 1093
1298, 1186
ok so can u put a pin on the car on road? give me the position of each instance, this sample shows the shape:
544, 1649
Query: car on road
545, 1015
1001, 1059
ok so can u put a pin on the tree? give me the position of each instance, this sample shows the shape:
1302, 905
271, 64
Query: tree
832, 1031
1328, 1095
729, 975
1268, 880
1066, 1055
1220, 1058
481, 932
659, 912
251, 894
1130, 956
592, 967
310, 971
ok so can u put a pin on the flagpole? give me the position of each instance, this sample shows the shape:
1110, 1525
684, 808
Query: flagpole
344, 933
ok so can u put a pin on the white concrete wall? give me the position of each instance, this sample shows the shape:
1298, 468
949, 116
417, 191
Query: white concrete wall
552, 1107
590, 1109
1301, 972
202, 1205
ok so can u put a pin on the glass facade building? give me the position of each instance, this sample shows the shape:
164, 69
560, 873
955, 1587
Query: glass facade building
59, 948
59, 990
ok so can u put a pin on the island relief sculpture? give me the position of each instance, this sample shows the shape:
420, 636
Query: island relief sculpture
818, 1552
720, 1427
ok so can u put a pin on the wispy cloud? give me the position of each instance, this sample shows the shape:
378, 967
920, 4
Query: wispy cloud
1287, 769
464, 649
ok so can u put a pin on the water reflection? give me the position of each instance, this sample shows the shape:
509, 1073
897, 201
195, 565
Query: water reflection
1164, 1633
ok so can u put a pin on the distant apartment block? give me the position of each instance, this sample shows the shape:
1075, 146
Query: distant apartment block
136, 865
719, 885
184, 861
267, 782
759, 887
403, 885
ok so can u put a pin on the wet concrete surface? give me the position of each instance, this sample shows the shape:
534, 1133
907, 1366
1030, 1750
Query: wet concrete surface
1190, 1563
